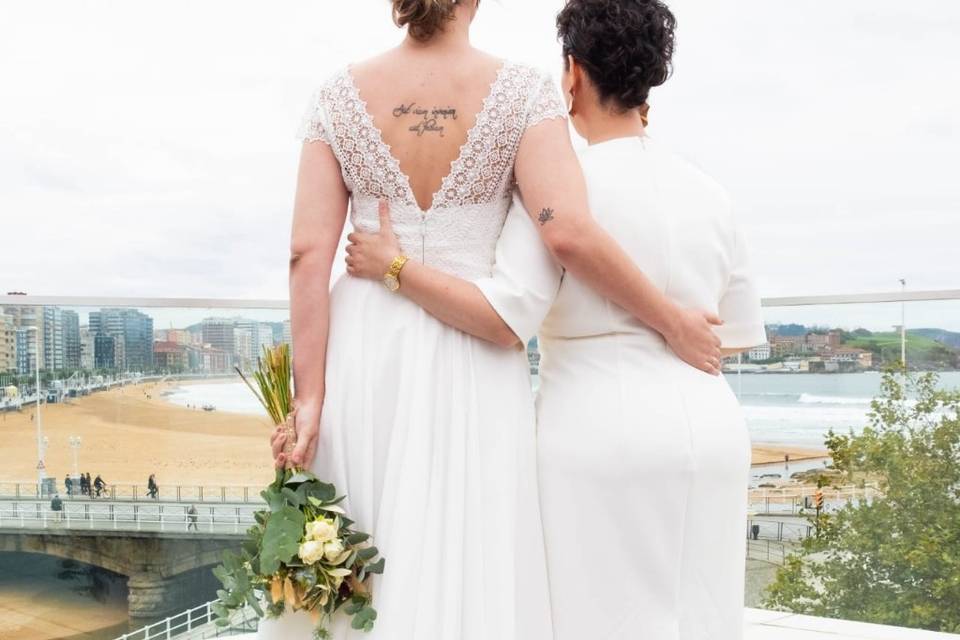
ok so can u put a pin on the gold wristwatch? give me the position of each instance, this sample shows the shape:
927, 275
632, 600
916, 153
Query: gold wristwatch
391, 279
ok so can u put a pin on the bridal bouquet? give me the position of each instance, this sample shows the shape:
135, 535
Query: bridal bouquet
302, 553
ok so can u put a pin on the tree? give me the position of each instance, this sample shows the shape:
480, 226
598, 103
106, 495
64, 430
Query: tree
895, 559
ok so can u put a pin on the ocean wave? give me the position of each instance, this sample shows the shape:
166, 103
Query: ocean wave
810, 398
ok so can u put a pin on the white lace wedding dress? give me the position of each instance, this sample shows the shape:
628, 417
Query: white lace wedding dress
430, 431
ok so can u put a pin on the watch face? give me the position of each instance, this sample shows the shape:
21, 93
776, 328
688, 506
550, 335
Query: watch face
391, 282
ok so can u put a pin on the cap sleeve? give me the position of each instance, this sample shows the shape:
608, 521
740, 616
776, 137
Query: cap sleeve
740, 304
525, 278
315, 123
546, 102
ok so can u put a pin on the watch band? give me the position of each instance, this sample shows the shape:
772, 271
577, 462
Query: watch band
393, 275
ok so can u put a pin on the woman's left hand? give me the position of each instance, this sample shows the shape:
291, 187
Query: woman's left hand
369, 255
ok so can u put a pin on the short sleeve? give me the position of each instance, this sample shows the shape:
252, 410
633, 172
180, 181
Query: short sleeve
314, 123
525, 278
546, 102
739, 307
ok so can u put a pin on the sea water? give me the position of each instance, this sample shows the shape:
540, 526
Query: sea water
789, 409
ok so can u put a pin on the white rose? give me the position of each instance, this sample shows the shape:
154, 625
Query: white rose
333, 549
311, 551
321, 530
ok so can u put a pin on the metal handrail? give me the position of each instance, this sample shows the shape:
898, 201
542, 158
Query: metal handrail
123, 517
279, 304
767, 550
868, 490
194, 620
791, 500
779, 531
226, 494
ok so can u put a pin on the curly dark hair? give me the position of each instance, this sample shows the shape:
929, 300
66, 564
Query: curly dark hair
625, 46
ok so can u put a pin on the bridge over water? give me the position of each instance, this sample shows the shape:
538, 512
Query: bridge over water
164, 550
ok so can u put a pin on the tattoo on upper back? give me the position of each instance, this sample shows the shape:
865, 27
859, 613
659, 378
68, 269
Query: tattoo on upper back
427, 120
546, 215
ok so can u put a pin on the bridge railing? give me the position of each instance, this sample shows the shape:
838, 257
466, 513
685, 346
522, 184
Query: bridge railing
793, 499
767, 551
222, 520
140, 493
198, 622
778, 530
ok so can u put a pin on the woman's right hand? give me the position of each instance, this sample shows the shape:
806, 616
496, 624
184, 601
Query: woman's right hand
307, 426
693, 340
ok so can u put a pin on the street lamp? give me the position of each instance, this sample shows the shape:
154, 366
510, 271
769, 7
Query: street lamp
75, 442
41, 467
903, 323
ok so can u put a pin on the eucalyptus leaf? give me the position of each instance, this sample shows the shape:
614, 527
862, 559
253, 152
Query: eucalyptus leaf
292, 497
376, 567
281, 539
300, 478
357, 538
367, 554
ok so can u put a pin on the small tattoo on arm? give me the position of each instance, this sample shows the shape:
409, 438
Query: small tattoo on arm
546, 216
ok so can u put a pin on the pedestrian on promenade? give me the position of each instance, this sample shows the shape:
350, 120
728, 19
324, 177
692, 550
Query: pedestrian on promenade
99, 485
56, 505
192, 518
68, 483
152, 489
84, 485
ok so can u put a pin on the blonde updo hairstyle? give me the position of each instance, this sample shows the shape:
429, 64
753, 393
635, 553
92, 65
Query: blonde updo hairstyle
423, 18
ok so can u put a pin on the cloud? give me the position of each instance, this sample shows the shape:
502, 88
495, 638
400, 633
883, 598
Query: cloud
148, 149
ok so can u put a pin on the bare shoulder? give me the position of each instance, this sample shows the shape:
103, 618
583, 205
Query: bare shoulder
398, 66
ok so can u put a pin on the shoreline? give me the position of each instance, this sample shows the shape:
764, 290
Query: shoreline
133, 431
774, 453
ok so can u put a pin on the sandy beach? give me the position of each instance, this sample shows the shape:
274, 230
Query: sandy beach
131, 432
767, 453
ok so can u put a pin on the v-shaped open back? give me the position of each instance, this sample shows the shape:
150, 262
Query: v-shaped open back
471, 136
459, 231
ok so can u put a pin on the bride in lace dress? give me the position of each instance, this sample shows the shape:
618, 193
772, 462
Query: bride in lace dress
429, 430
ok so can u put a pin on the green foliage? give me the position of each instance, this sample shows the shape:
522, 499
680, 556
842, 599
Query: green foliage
896, 559
281, 538
270, 554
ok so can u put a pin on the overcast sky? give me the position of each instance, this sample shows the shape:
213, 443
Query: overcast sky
147, 148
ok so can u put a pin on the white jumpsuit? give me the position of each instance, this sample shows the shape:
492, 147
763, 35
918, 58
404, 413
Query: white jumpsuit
643, 460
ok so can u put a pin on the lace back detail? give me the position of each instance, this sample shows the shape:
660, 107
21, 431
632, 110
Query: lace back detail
459, 232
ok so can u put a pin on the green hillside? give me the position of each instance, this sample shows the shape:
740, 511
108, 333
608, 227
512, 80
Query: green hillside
921, 350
